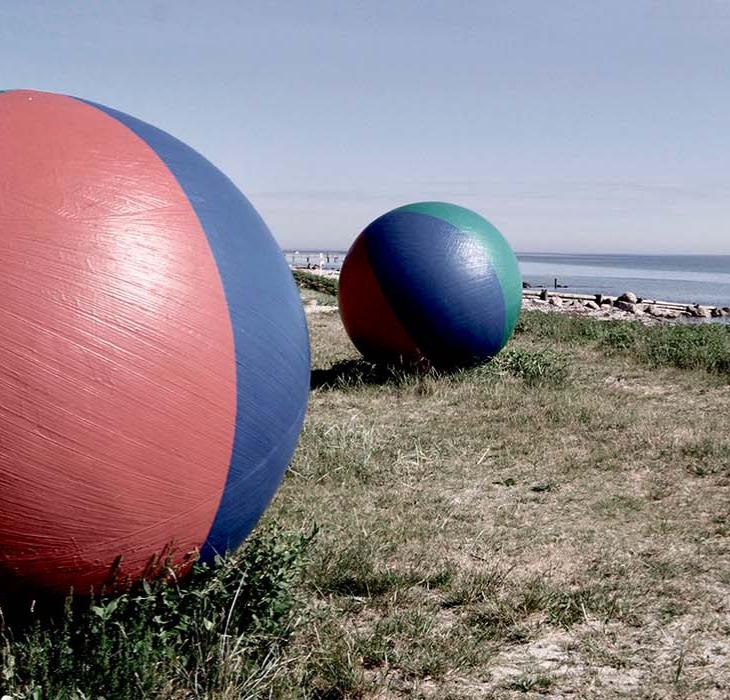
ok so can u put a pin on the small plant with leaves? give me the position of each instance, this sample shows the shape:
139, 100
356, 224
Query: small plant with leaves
317, 283
222, 628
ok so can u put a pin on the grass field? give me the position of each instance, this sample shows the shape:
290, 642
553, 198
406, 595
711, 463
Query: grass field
553, 524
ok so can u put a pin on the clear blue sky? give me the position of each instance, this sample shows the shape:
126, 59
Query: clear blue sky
596, 125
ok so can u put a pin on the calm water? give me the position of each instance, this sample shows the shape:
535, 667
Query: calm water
696, 279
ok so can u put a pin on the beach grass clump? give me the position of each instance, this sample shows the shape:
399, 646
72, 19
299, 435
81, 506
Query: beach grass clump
685, 346
620, 337
357, 570
561, 328
316, 283
319, 298
535, 367
224, 629
704, 347
539, 683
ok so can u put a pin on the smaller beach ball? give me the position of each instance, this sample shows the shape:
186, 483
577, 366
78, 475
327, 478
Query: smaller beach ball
430, 282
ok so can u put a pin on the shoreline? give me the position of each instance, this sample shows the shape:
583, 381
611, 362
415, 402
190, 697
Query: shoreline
627, 306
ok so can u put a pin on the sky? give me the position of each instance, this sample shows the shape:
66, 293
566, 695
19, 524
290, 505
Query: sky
573, 126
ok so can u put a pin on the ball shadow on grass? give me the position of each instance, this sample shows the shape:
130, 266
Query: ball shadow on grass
534, 367
351, 374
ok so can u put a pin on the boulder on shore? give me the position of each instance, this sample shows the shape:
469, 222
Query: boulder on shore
607, 307
654, 310
625, 305
628, 297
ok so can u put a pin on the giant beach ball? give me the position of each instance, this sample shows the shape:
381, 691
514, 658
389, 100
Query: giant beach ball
154, 360
430, 282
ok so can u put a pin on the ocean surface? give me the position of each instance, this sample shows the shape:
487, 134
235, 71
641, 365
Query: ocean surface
696, 279
692, 279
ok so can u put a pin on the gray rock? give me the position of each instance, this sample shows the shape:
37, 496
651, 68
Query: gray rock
592, 305
701, 312
672, 315
629, 297
654, 310
717, 312
625, 305
556, 301
726, 310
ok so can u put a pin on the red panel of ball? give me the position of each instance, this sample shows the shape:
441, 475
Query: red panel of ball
117, 366
366, 314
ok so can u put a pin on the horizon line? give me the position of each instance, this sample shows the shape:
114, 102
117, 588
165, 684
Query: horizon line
537, 252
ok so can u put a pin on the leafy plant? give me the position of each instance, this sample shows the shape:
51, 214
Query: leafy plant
317, 283
221, 628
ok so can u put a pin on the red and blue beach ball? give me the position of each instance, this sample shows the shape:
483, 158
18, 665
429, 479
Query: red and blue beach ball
430, 282
154, 359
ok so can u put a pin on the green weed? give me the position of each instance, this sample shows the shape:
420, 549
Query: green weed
223, 629
685, 346
317, 283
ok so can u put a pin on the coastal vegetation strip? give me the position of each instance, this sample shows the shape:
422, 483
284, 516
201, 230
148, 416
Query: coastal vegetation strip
315, 283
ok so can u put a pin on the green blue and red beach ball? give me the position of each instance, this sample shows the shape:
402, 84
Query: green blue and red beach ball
430, 282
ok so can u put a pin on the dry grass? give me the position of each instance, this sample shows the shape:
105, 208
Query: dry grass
555, 525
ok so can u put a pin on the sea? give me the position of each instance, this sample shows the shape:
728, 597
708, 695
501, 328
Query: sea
691, 279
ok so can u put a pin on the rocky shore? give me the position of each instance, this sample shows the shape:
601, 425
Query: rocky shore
626, 306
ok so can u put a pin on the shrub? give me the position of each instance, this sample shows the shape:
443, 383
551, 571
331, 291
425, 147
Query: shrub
220, 630
535, 367
685, 346
317, 283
